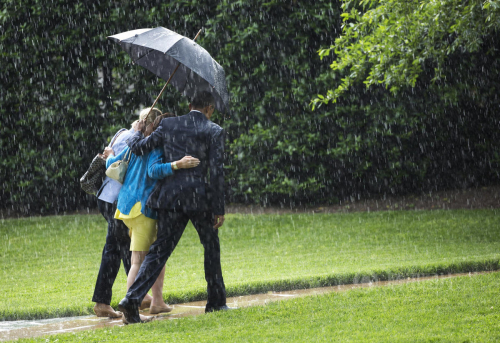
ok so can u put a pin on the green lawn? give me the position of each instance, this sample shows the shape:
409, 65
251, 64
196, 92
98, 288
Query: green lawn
49, 265
464, 309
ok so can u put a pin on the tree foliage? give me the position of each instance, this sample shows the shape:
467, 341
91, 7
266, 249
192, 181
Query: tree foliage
274, 138
389, 41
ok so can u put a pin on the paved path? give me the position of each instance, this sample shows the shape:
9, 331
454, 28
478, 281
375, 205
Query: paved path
10, 330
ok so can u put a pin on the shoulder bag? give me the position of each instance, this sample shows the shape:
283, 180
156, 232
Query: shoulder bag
118, 169
91, 181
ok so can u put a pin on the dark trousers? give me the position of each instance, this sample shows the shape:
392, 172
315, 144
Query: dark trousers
116, 249
171, 225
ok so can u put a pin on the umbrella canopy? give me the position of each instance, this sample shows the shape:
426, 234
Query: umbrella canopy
160, 50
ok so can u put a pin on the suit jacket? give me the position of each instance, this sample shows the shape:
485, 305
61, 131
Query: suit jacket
187, 189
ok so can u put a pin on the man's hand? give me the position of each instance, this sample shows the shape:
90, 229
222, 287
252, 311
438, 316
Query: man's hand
218, 221
187, 162
140, 126
149, 130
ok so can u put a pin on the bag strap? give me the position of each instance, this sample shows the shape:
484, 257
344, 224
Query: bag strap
129, 153
116, 137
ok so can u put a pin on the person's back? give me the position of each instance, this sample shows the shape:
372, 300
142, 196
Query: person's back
192, 134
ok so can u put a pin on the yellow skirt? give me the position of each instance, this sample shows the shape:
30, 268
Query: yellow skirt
142, 230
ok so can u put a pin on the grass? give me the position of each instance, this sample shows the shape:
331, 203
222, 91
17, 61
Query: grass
49, 264
463, 309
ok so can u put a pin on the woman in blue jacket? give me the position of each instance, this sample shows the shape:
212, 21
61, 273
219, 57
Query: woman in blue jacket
140, 180
117, 247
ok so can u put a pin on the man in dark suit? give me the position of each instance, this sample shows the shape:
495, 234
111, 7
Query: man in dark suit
187, 195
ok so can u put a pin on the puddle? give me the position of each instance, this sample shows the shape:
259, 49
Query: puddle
10, 330
22, 324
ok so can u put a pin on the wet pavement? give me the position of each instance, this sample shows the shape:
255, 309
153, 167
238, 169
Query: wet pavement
10, 330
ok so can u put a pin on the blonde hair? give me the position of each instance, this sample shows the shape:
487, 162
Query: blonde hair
151, 118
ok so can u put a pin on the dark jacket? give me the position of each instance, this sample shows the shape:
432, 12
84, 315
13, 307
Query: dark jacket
187, 189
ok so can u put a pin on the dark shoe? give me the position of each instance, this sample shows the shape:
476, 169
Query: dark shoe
219, 308
130, 311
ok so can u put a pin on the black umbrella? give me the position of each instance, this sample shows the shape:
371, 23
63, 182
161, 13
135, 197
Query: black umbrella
178, 59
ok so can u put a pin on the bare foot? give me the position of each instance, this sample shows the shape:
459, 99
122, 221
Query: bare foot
146, 302
160, 309
103, 310
144, 319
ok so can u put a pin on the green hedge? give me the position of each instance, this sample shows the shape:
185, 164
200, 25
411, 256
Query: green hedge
66, 90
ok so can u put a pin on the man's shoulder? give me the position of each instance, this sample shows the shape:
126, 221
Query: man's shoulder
177, 119
214, 128
170, 119
192, 117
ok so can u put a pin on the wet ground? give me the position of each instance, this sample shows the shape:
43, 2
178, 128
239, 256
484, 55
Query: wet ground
10, 330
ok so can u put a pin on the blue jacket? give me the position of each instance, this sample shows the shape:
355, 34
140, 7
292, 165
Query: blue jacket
111, 188
188, 189
142, 173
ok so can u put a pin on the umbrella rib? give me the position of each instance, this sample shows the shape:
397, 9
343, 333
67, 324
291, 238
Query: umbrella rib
144, 55
150, 50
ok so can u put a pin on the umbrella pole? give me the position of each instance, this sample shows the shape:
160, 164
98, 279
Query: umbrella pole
168, 81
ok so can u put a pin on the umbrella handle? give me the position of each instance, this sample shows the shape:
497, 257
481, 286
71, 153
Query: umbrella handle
168, 81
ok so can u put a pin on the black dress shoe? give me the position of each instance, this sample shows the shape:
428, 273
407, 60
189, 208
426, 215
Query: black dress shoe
130, 311
219, 308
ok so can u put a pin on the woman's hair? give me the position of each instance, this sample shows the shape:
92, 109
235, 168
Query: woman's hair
156, 123
152, 116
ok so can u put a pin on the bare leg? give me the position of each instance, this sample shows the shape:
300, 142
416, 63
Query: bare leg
137, 259
157, 303
146, 302
157, 290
